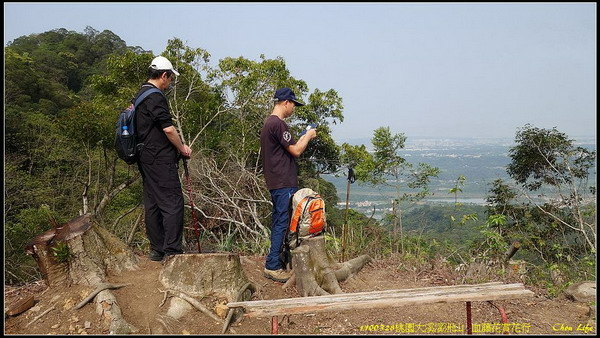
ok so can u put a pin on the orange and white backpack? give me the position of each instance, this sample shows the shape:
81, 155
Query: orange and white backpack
307, 216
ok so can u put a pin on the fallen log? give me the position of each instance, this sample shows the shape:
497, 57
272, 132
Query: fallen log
21, 305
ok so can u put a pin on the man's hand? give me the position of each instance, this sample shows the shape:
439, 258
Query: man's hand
173, 136
297, 149
311, 133
186, 151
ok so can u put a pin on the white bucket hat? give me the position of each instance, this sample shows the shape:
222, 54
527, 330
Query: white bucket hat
161, 63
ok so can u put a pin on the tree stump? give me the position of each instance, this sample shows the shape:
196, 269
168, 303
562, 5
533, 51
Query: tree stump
190, 277
200, 275
315, 271
81, 253
88, 253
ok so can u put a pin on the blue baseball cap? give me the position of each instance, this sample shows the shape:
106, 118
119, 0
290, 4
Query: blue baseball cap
283, 94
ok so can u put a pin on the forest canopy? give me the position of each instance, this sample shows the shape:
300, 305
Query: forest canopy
64, 91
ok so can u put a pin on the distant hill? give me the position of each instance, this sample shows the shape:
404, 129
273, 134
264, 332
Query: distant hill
480, 160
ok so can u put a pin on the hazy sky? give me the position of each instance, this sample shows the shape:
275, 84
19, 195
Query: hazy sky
423, 69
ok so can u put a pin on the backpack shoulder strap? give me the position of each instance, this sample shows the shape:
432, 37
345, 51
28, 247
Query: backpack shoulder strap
145, 94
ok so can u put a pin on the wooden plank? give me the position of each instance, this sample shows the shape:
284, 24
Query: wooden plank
365, 301
374, 295
341, 305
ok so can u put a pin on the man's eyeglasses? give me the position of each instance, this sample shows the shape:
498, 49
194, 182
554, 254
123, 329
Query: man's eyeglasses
170, 75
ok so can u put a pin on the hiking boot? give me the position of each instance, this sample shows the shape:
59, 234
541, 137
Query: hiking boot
156, 255
167, 256
280, 275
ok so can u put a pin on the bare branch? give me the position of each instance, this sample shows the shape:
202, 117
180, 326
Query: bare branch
109, 196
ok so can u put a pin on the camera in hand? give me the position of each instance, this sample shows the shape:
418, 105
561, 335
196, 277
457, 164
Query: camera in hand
309, 127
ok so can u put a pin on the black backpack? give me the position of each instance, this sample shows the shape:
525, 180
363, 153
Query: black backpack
126, 141
285, 256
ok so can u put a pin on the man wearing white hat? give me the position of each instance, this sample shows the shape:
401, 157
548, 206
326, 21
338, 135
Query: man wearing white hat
158, 163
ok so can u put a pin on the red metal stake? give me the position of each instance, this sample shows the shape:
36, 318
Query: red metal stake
189, 185
503, 316
502, 312
274, 325
469, 322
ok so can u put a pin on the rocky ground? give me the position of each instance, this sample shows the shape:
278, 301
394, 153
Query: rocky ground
144, 306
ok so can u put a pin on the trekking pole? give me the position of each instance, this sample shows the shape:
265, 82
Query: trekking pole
351, 180
189, 185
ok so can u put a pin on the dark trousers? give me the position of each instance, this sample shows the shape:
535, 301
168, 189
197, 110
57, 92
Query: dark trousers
281, 222
163, 205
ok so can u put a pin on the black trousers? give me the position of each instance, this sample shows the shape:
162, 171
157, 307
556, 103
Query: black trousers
163, 206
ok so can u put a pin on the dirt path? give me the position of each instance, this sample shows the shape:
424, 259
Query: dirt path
141, 302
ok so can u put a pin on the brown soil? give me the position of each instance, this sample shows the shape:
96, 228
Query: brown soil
141, 307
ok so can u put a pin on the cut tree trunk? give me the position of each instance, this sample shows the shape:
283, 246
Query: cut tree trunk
512, 250
81, 253
315, 271
92, 253
200, 275
191, 277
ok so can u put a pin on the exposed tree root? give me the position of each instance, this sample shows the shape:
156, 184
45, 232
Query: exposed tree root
98, 289
40, 316
238, 298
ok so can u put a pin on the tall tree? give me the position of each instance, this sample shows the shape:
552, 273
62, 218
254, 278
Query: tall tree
47, 157
552, 207
385, 167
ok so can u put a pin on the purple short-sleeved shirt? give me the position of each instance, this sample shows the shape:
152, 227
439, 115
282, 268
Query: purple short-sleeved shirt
279, 166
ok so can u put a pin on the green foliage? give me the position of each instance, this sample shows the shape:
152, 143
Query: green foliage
61, 252
359, 159
365, 235
421, 248
385, 156
19, 230
460, 182
40, 163
54, 65
544, 156
21, 81
556, 277
332, 244
121, 76
431, 220
494, 245
385, 163
64, 90
55, 134
464, 218
557, 226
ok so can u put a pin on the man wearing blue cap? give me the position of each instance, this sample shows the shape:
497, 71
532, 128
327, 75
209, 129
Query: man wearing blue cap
278, 151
